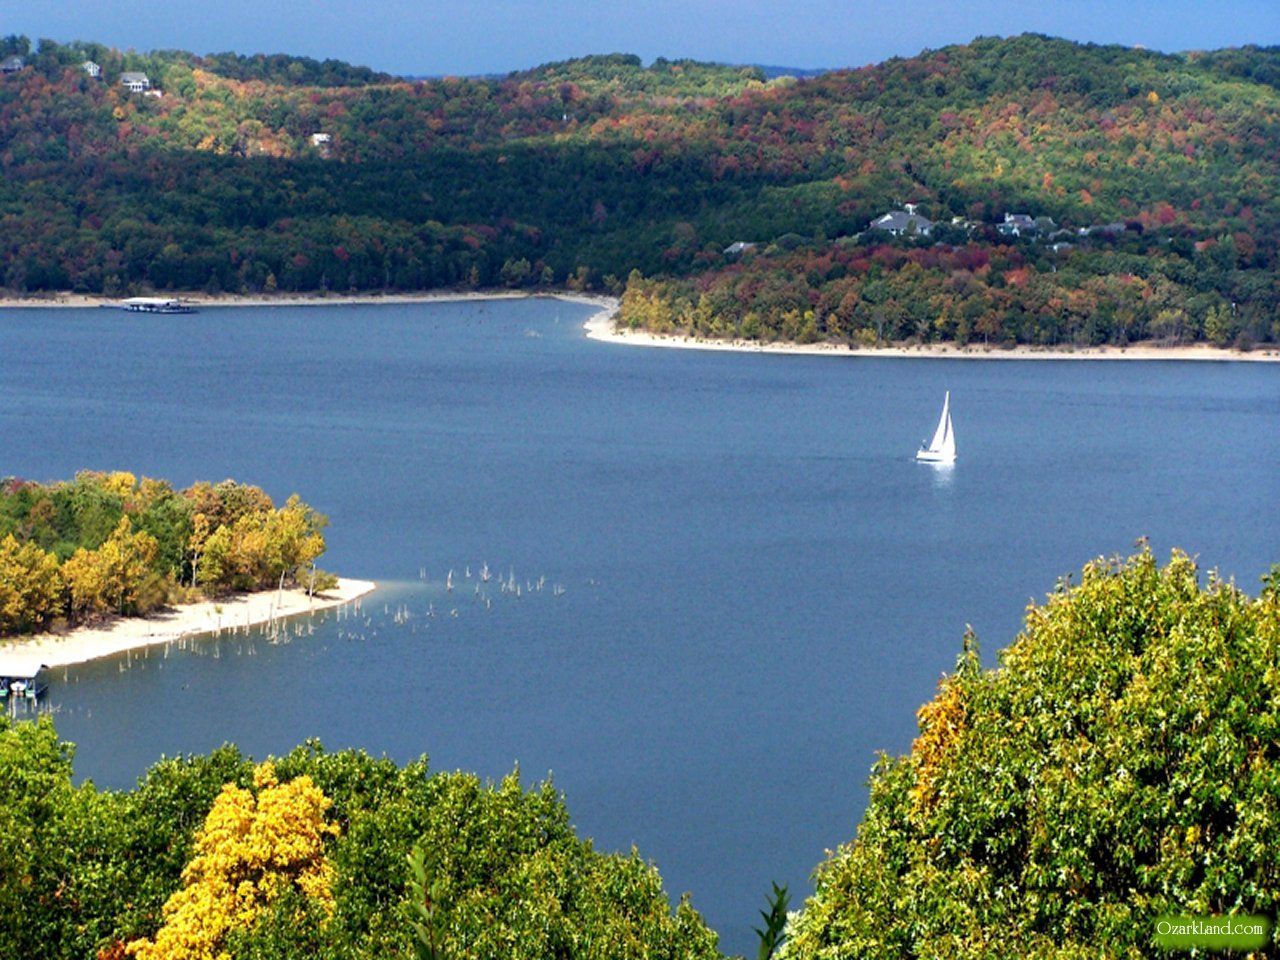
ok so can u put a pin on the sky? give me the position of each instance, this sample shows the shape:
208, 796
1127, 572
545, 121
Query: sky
428, 37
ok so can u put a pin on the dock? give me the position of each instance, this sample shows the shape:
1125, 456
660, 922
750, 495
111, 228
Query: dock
22, 677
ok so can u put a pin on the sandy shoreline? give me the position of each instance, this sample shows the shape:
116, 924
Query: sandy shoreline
188, 620
203, 301
600, 327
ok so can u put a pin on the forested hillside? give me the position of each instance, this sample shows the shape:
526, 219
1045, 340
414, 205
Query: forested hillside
248, 174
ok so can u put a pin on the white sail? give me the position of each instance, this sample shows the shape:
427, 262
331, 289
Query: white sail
944, 424
942, 448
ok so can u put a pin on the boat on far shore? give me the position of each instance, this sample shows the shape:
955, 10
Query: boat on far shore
156, 305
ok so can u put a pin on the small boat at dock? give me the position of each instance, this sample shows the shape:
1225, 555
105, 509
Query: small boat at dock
21, 678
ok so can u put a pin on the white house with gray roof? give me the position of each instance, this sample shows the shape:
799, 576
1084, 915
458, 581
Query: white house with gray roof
135, 82
903, 222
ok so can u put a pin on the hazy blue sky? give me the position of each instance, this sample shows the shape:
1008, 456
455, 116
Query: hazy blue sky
484, 36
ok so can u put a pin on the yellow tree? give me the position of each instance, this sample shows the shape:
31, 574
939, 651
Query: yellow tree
127, 559
264, 548
215, 570
200, 530
86, 583
116, 577
251, 851
293, 539
30, 586
119, 482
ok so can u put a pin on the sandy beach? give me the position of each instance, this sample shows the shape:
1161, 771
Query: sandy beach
601, 327
188, 620
202, 301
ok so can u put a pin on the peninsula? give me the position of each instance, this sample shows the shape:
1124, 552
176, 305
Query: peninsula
604, 326
107, 562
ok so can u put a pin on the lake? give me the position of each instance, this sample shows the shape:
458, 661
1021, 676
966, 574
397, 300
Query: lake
734, 584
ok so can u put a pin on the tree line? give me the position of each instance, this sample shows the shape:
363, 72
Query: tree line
1113, 291
110, 544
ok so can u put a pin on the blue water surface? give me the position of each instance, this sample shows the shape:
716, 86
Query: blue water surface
735, 585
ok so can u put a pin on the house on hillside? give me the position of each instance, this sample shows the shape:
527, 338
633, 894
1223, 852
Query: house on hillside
12, 64
1103, 229
92, 69
1025, 225
738, 248
1017, 225
135, 82
903, 222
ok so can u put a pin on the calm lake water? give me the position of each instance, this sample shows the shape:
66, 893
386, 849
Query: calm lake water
750, 587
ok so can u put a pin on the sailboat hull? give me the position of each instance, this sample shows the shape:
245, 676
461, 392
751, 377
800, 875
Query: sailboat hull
932, 456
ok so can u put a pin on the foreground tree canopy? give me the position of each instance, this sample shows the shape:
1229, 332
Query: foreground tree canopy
110, 544
1122, 763
307, 857
253, 852
251, 174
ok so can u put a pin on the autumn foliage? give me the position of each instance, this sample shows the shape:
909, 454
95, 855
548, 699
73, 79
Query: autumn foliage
110, 544
305, 857
255, 846
1120, 764
576, 173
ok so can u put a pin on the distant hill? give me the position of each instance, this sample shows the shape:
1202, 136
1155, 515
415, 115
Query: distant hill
773, 72
242, 173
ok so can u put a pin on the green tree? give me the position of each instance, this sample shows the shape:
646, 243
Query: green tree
1118, 765
248, 860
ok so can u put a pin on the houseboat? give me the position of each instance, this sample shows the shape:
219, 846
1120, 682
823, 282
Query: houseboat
157, 305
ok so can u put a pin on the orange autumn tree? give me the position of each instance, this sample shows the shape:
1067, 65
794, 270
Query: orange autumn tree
251, 851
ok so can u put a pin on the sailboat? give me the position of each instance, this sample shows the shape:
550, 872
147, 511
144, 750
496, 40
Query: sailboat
942, 448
